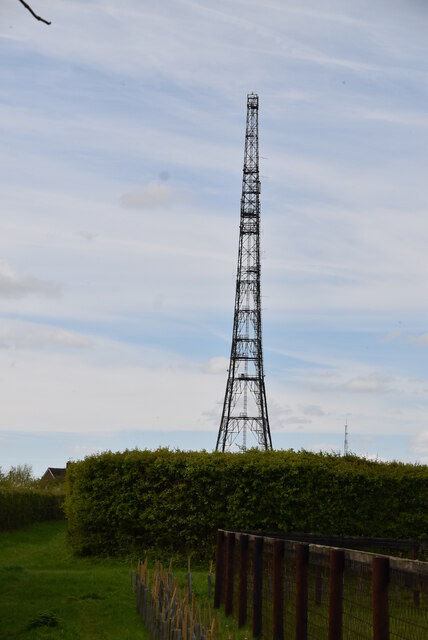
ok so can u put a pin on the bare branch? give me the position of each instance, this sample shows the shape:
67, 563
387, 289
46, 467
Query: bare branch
32, 12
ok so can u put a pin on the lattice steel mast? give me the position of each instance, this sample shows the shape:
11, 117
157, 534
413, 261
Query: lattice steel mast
245, 409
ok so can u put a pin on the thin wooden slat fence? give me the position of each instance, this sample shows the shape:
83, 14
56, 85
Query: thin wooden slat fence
166, 611
293, 590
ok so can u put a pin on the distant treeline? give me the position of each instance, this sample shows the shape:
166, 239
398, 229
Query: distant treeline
174, 501
24, 499
20, 506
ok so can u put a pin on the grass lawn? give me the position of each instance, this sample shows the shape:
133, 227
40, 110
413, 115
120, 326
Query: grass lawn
46, 592
42, 584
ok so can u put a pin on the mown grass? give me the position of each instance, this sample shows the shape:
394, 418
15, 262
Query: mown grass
46, 592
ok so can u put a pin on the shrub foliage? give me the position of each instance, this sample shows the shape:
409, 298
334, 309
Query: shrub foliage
20, 506
175, 501
25, 499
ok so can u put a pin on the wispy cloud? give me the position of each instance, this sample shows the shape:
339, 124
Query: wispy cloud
153, 196
20, 335
419, 446
81, 450
16, 285
312, 410
420, 340
218, 364
391, 336
296, 420
407, 119
120, 165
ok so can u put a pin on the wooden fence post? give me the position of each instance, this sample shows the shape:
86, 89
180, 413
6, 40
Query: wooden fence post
380, 580
278, 590
257, 587
230, 567
243, 577
337, 565
219, 569
302, 560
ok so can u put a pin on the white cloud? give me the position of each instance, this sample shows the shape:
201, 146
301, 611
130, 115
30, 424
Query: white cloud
153, 196
297, 420
81, 450
401, 118
370, 384
218, 364
419, 341
20, 335
391, 336
312, 410
136, 38
15, 285
419, 446
86, 235
93, 391
148, 90
278, 410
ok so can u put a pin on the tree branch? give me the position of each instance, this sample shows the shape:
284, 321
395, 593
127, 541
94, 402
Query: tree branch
32, 12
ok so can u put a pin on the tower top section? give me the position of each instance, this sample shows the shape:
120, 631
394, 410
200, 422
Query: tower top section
252, 101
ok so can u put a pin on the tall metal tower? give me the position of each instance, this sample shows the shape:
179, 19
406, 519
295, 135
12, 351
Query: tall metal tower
245, 409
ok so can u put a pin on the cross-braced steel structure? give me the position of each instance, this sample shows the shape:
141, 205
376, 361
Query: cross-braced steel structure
245, 413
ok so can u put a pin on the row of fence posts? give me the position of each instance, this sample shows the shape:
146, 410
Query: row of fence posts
169, 614
224, 585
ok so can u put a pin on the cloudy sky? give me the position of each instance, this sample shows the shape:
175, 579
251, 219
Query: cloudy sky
122, 133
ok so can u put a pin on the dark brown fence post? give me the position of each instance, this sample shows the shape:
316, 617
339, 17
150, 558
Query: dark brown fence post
380, 580
257, 587
278, 590
337, 565
243, 576
302, 559
230, 569
219, 569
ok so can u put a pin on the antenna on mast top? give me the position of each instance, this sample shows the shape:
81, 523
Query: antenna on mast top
345, 444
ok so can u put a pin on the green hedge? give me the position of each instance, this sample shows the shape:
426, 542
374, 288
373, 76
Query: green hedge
19, 507
175, 501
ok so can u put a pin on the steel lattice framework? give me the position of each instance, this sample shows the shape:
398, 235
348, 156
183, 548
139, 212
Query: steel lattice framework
245, 409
